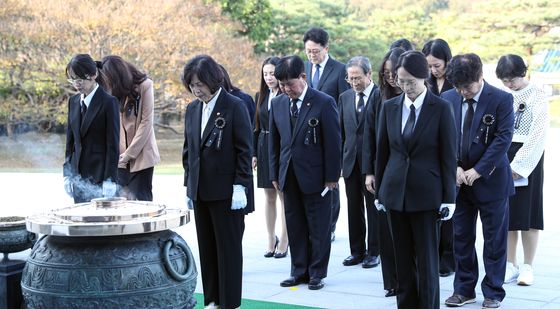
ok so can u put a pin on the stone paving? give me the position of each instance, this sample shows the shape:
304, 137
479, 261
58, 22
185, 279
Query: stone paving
345, 287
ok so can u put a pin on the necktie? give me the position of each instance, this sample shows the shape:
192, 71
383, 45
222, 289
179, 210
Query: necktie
467, 123
315, 80
409, 125
294, 110
360, 105
83, 110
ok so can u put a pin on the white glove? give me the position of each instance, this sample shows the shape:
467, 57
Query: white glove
68, 186
189, 203
239, 198
450, 208
109, 188
379, 206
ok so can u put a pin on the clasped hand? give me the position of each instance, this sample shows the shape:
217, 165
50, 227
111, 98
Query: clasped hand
466, 177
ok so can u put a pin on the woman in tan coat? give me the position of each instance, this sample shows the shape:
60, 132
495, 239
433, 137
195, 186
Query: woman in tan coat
138, 149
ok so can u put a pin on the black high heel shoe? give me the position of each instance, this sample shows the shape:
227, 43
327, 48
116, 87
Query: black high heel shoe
279, 255
269, 254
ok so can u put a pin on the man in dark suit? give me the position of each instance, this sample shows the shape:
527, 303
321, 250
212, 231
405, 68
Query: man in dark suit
92, 135
327, 75
415, 177
484, 120
304, 149
218, 176
352, 106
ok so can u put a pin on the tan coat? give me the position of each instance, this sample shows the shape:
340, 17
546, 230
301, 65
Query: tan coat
138, 133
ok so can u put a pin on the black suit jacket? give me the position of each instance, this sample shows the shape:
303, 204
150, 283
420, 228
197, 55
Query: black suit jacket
211, 171
419, 177
371, 122
353, 128
92, 145
332, 81
314, 162
488, 156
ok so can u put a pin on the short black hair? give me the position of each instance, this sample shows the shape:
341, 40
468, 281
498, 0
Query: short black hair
206, 69
439, 49
511, 66
83, 66
415, 63
402, 43
289, 67
317, 35
464, 70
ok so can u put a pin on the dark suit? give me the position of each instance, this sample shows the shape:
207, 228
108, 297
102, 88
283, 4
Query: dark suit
352, 126
333, 83
386, 248
488, 195
446, 256
302, 162
92, 144
413, 181
210, 173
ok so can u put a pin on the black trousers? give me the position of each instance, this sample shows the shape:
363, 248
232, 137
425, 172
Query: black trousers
387, 252
138, 184
446, 256
307, 220
356, 193
335, 207
219, 230
416, 251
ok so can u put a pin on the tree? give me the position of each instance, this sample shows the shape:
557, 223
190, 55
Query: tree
38, 38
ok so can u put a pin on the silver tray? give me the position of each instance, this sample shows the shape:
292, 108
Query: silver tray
108, 217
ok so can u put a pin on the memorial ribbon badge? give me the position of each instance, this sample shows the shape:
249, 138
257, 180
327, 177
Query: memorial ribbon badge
312, 123
219, 124
488, 120
518, 114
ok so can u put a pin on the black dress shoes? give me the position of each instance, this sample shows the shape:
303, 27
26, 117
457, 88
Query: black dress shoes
269, 254
316, 284
352, 260
292, 281
390, 292
279, 255
370, 261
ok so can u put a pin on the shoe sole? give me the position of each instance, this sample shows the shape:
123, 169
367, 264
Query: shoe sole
469, 301
525, 283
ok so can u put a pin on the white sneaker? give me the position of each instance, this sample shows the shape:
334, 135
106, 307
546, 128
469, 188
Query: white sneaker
512, 272
525, 275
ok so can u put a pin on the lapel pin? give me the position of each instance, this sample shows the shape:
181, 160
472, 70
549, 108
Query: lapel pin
308, 103
218, 113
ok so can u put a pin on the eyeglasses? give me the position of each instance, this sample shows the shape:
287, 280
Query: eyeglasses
75, 81
387, 74
313, 51
354, 79
196, 85
406, 83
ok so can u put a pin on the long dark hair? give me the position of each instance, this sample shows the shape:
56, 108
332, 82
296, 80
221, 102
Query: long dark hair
263, 89
122, 78
84, 67
387, 91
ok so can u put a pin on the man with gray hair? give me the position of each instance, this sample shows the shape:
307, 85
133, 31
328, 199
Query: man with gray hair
352, 108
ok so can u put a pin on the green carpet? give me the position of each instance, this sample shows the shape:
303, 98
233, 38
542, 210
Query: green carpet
253, 304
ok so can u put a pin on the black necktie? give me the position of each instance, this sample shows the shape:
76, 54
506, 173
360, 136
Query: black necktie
294, 109
409, 126
467, 123
83, 110
360, 105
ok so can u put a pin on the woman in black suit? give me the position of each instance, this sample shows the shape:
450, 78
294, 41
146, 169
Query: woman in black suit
92, 135
387, 84
438, 55
269, 89
415, 178
218, 177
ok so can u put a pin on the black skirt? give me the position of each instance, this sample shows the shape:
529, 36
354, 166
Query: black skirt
263, 178
526, 205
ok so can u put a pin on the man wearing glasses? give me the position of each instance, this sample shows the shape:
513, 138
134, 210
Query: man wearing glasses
353, 104
327, 75
304, 149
